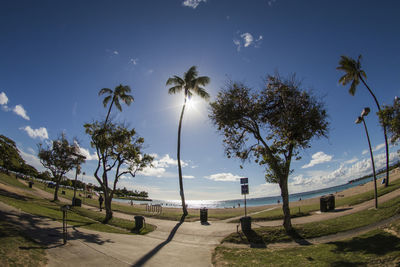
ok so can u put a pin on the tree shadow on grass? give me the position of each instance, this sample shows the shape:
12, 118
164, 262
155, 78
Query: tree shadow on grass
298, 238
46, 235
13, 195
155, 250
379, 244
255, 240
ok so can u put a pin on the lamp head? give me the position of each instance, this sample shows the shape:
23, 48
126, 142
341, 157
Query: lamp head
365, 112
359, 120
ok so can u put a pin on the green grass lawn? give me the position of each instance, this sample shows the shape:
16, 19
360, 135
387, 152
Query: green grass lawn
78, 217
265, 235
12, 181
376, 248
13, 242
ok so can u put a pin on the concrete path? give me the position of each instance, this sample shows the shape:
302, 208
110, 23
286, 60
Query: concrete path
171, 244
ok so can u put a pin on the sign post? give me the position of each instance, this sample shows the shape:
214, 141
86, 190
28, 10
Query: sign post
245, 190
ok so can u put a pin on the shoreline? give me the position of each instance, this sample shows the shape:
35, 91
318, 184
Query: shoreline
358, 189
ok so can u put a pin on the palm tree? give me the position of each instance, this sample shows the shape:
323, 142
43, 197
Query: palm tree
119, 93
354, 74
190, 84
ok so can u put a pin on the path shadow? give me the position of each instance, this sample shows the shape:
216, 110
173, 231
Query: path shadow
13, 195
378, 244
255, 240
155, 250
47, 235
298, 238
342, 209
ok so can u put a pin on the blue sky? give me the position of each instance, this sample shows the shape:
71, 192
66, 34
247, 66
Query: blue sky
56, 55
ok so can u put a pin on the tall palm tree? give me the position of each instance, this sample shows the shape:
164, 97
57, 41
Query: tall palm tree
119, 93
354, 74
189, 84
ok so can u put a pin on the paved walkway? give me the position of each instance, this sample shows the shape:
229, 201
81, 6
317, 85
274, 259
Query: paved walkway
171, 244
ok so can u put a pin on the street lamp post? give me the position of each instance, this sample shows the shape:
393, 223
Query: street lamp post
359, 120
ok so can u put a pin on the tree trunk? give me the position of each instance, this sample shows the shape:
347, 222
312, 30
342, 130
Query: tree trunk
384, 132
285, 204
56, 191
109, 111
107, 206
179, 161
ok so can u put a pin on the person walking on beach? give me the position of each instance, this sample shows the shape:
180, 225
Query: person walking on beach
101, 201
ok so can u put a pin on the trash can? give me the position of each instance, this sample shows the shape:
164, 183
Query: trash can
203, 215
323, 204
30, 184
63, 192
331, 202
245, 222
76, 202
139, 220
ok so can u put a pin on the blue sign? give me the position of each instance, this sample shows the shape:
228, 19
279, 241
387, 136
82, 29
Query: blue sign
244, 180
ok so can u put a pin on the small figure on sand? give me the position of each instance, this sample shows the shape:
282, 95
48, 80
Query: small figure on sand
131, 202
279, 201
101, 202
239, 205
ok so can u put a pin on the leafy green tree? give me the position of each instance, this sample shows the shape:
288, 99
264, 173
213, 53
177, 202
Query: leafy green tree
389, 117
10, 158
269, 126
119, 151
354, 74
119, 93
189, 84
60, 158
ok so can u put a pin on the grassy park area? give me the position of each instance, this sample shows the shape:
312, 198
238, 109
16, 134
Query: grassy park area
26, 201
375, 248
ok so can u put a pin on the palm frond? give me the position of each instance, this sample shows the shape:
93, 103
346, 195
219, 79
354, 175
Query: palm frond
122, 90
117, 104
203, 80
175, 89
106, 100
105, 91
191, 74
201, 92
175, 81
127, 99
353, 87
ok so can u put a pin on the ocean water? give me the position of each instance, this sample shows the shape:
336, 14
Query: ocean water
253, 201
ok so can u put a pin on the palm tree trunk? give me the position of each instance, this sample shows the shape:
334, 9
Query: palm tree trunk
109, 111
384, 132
373, 165
179, 160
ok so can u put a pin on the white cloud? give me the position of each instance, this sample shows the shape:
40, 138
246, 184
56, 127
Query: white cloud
134, 61
313, 180
224, 177
19, 110
85, 152
166, 161
246, 40
379, 147
192, 3
153, 172
318, 158
188, 176
271, 2
115, 52
31, 159
40, 133
365, 151
350, 161
3, 98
